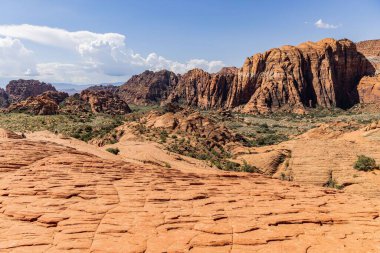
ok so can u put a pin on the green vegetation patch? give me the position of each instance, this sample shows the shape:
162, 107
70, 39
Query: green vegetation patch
83, 127
365, 163
114, 151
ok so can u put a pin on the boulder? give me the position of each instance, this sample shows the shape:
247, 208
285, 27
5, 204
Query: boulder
104, 101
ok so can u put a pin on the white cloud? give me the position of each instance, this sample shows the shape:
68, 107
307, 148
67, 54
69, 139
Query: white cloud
15, 59
100, 55
322, 25
59, 37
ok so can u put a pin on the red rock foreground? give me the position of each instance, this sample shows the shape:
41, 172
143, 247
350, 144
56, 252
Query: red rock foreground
57, 199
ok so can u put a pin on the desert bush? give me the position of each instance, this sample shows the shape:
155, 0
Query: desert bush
332, 183
114, 151
163, 136
365, 163
141, 128
229, 166
249, 168
286, 177
268, 139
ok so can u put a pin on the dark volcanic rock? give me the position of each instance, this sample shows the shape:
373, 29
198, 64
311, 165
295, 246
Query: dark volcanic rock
19, 90
4, 98
111, 88
148, 87
104, 101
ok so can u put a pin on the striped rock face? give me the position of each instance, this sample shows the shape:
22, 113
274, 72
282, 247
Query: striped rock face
371, 50
290, 78
55, 198
369, 89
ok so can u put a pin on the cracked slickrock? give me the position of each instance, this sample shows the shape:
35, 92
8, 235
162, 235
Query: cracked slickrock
58, 199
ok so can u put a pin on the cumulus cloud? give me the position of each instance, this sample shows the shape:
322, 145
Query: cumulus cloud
15, 59
322, 25
100, 55
59, 37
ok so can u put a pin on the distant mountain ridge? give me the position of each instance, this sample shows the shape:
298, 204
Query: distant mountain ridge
291, 78
325, 74
77, 88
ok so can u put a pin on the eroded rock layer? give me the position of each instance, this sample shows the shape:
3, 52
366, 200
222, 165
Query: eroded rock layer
323, 156
324, 74
57, 199
371, 49
369, 89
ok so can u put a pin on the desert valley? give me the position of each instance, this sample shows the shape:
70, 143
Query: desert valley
280, 155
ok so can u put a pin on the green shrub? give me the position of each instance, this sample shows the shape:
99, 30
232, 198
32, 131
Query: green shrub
286, 177
332, 183
114, 151
249, 168
365, 163
230, 166
163, 136
267, 139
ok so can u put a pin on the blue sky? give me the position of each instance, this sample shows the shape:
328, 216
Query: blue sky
108, 41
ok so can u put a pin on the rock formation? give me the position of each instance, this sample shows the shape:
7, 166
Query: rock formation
19, 90
191, 123
323, 154
369, 89
4, 98
148, 87
54, 198
104, 101
75, 105
291, 78
324, 74
205, 90
45, 104
371, 49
